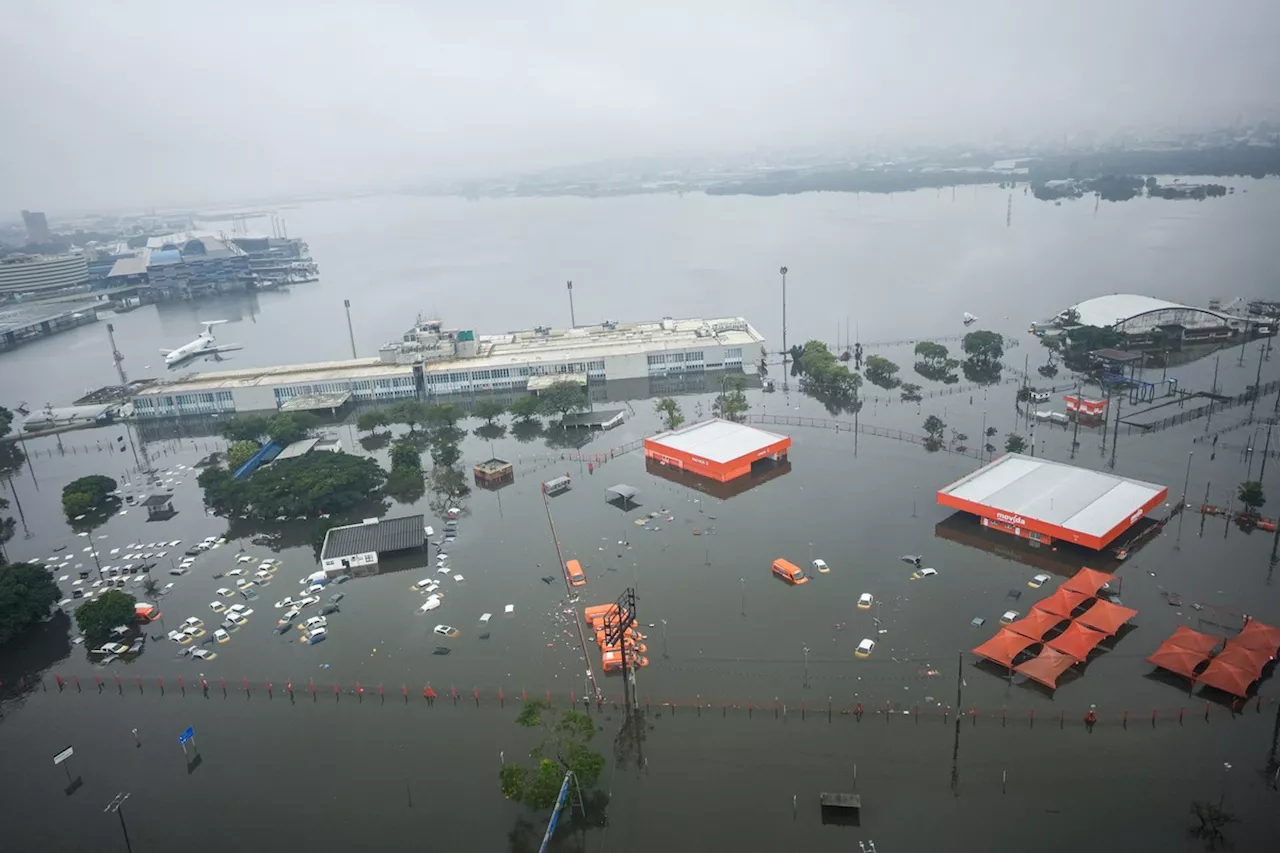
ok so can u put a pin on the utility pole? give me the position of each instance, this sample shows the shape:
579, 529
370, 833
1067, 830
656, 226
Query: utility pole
806, 666
1257, 384
1075, 432
1115, 437
1182, 509
573, 321
116, 805
955, 747
1266, 448
350, 330
116, 355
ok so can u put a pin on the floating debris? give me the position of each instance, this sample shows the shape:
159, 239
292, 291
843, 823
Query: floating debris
444, 650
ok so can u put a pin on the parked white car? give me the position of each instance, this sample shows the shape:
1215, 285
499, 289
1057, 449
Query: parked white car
224, 592
315, 622
217, 606
221, 636
432, 602
193, 622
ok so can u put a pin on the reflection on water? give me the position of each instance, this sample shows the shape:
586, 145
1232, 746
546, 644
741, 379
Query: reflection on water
762, 472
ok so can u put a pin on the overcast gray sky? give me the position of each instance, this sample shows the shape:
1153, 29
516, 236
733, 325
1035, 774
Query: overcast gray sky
137, 102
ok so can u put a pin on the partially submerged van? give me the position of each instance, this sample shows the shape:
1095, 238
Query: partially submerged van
576, 576
789, 572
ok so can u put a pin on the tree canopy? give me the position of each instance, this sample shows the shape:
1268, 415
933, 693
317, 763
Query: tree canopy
26, 594
240, 453
488, 410
525, 409
732, 403
91, 494
824, 376
1015, 443
565, 746
245, 428
408, 412
880, 371
6, 421
983, 348
670, 411
303, 486
96, 618
7, 528
911, 393
288, 427
563, 397
372, 420
932, 353
405, 482
1251, 495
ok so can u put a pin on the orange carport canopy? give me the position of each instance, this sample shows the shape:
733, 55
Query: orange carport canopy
1186, 638
1046, 667
1256, 635
1035, 624
1077, 641
1003, 647
1250, 660
1061, 603
1087, 581
1227, 678
1105, 616
1177, 659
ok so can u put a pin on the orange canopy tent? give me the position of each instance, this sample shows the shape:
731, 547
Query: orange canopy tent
1035, 624
1256, 635
1177, 659
1227, 677
1105, 616
1077, 641
1251, 660
1004, 647
1087, 581
1186, 638
1046, 667
1061, 603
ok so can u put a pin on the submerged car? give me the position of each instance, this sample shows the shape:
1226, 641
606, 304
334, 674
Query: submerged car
865, 648
446, 631
1038, 581
865, 601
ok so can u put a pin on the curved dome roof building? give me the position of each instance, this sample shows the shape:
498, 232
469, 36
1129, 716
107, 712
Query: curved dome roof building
1136, 315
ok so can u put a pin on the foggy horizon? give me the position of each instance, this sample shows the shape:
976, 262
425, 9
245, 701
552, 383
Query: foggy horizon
140, 103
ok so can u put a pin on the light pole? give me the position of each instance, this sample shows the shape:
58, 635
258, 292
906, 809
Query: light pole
664, 638
806, 666
783, 272
742, 584
1182, 510
116, 806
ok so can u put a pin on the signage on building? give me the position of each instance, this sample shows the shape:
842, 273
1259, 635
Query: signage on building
1010, 518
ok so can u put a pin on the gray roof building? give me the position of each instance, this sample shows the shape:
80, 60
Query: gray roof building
374, 536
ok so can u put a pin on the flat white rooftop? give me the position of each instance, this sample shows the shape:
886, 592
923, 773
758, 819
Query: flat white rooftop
719, 441
1075, 499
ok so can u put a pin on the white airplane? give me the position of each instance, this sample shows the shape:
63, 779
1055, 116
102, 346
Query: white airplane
205, 344
969, 319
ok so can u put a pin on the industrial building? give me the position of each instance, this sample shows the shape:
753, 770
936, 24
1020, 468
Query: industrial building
358, 548
434, 361
42, 274
183, 261
1046, 501
716, 449
37, 225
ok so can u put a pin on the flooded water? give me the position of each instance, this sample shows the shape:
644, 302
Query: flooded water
728, 645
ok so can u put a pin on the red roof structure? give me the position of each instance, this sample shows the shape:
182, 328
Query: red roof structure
1004, 647
1105, 616
1177, 659
1046, 667
1256, 635
1088, 581
1061, 603
1252, 660
1077, 641
1186, 638
1035, 624
1227, 678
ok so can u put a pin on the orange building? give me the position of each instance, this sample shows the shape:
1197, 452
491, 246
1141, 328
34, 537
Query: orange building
716, 449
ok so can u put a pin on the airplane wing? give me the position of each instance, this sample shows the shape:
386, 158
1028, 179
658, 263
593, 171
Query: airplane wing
165, 351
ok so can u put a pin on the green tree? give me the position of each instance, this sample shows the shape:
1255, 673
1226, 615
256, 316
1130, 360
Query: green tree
245, 428
911, 393
442, 415
934, 427
308, 485
26, 594
89, 495
732, 403
372, 420
445, 453
983, 348
288, 427
7, 529
96, 618
449, 484
224, 494
932, 354
6, 421
880, 371
1251, 495
240, 453
824, 376
405, 455
670, 411
488, 410
408, 412
526, 409
1014, 443
563, 397
565, 745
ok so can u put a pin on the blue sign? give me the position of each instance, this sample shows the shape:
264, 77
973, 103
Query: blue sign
555, 815
187, 736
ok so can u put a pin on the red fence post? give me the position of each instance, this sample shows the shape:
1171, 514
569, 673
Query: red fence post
139, 685
58, 678
502, 700
1124, 720
475, 694
246, 688
1206, 711
182, 685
